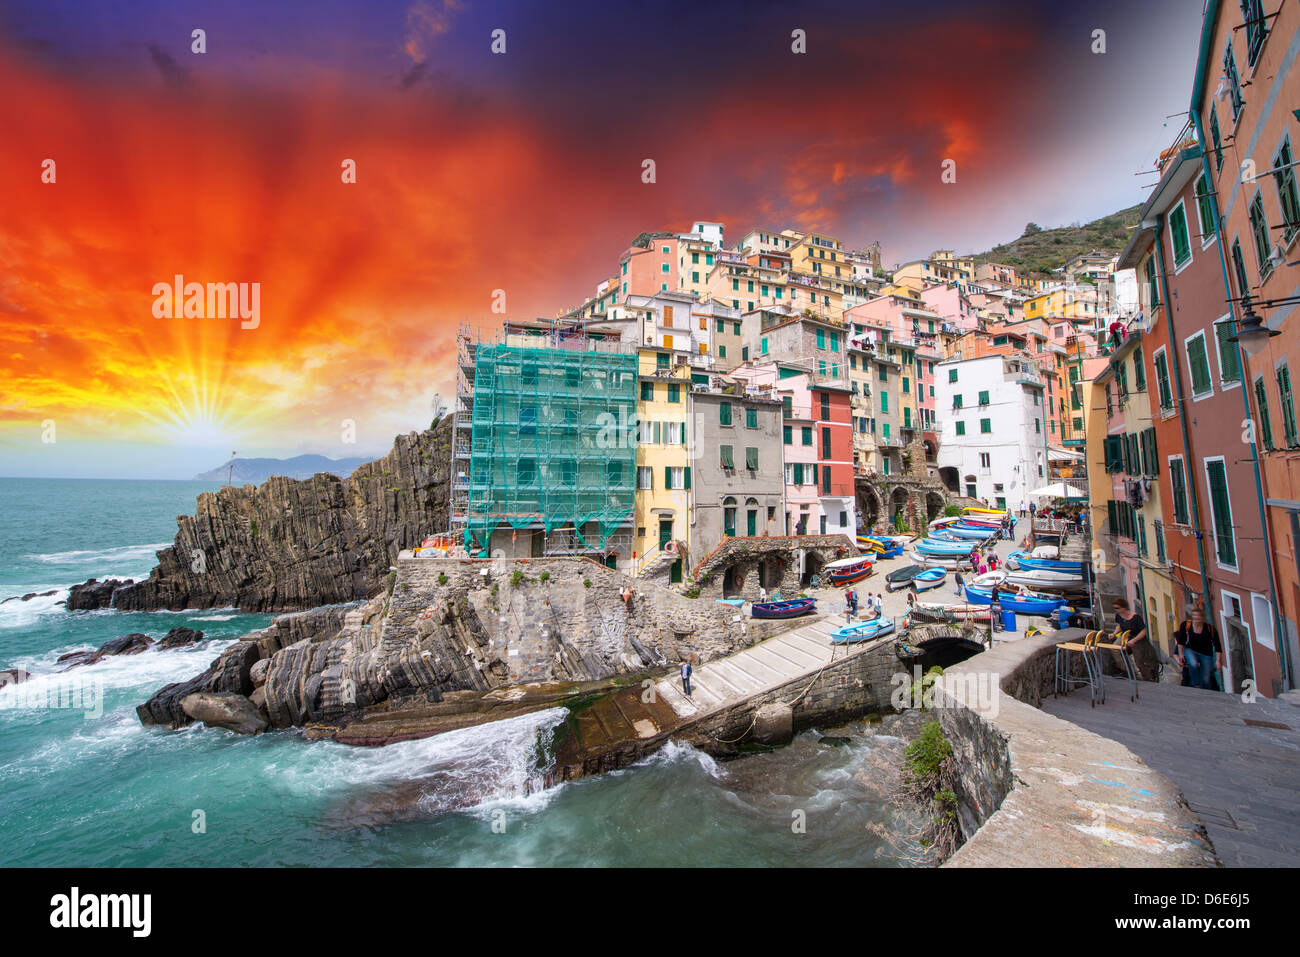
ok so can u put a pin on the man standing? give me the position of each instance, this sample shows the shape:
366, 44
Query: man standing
1138, 643
878, 604
1200, 650
686, 678
961, 584
995, 609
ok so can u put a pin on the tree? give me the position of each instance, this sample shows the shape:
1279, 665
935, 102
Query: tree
1032, 228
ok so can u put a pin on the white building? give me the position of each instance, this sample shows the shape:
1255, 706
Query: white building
993, 420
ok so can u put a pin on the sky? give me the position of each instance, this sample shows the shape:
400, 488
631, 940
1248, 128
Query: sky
479, 171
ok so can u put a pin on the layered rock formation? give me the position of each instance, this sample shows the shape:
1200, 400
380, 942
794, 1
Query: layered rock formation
291, 544
451, 639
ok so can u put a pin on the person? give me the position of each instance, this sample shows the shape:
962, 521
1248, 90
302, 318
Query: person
1116, 332
762, 593
974, 556
851, 599
983, 568
995, 608
1032, 509
961, 583
1138, 644
878, 604
626, 594
1200, 650
911, 600
993, 561
686, 678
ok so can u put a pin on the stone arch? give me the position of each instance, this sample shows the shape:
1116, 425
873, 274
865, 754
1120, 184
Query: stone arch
948, 476
771, 570
933, 506
733, 581
868, 505
898, 499
813, 563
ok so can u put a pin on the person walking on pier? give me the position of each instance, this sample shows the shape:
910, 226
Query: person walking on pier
961, 583
686, 678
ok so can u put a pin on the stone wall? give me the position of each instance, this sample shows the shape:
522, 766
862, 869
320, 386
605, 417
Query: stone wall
1036, 791
779, 555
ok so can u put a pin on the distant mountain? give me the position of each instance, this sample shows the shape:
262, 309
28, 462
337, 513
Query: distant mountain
1038, 251
258, 471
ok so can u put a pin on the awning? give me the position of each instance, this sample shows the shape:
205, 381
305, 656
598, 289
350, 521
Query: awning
1059, 490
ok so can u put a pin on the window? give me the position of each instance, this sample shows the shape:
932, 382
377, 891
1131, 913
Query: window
674, 393
722, 352
821, 338
751, 458
961, 427
956, 400
1178, 237
665, 267
788, 435
751, 418
1199, 364
735, 328
952, 375
720, 326
907, 385
1139, 371
986, 460
805, 435
1229, 361
1287, 401
1216, 476
1203, 209
762, 343
726, 460
724, 413
1162, 380
825, 407
1239, 269
528, 420
1153, 283
1142, 536
984, 397
884, 431
645, 477
1288, 198
1178, 483
1158, 529
665, 250
647, 391
1216, 139
1114, 450
884, 401
1234, 81
1265, 428
526, 472
1259, 229
1252, 17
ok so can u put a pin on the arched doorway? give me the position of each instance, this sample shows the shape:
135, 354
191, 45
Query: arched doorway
868, 506
813, 564
972, 490
751, 517
948, 476
729, 517
898, 504
770, 572
733, 582
933, 505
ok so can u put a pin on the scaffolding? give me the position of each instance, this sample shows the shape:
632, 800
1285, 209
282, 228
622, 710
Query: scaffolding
552, 445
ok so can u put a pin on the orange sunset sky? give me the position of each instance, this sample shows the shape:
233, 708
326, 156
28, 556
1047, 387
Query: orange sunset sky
477, 172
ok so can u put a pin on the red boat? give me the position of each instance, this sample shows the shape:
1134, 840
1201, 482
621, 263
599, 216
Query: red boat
849, 570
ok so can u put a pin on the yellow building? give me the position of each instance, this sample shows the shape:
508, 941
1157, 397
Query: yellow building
695, 262
663, 437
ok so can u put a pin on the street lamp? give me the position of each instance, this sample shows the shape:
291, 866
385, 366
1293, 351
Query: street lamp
1253, 334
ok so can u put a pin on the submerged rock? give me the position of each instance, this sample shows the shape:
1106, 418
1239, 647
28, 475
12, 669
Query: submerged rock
12, 676
95, 594
131, 644
228, 710
180, 637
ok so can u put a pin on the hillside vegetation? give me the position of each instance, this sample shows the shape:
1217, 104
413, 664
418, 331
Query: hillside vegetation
1038, 251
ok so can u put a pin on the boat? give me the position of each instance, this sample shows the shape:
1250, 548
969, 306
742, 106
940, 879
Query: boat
946, 520
988, 579
968, 532
972, 510
1018, 559
940, 561
1022, 602
1043, 578
930, 578
885, 546
955, 611
849, 570
902, 577
862, 631
734, 602
792, 608
953, 548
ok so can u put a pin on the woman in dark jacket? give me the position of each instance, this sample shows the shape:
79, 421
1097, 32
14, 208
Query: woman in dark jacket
1200, 651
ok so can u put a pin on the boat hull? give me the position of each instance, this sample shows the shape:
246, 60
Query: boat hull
1021, 604
927, 579
863, 631
783, 609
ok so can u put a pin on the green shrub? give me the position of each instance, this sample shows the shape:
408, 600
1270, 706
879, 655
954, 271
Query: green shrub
442, 578
516, 577
586, 583
950, 511
544, 577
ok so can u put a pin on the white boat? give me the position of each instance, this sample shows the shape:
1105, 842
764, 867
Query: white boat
934, 561
1041, 578
988, 579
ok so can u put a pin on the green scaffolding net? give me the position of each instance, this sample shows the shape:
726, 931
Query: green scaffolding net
553, 444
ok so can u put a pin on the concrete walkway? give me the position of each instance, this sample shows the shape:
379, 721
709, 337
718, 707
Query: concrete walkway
1237, 764
777, 661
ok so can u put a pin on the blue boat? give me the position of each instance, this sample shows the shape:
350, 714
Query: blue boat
862, 631
792, 608
1024, 603
968, 532
952, 547
930, 578
1020, 559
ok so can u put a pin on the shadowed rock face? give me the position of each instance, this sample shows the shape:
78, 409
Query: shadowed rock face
291, 544
452, 644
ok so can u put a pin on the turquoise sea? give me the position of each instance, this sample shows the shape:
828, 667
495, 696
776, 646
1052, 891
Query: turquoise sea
83, 784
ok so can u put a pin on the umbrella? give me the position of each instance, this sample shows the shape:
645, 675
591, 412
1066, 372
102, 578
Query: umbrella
1058, 490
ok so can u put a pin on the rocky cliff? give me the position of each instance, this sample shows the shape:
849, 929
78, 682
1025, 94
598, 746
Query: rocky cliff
451, 639
289, 544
